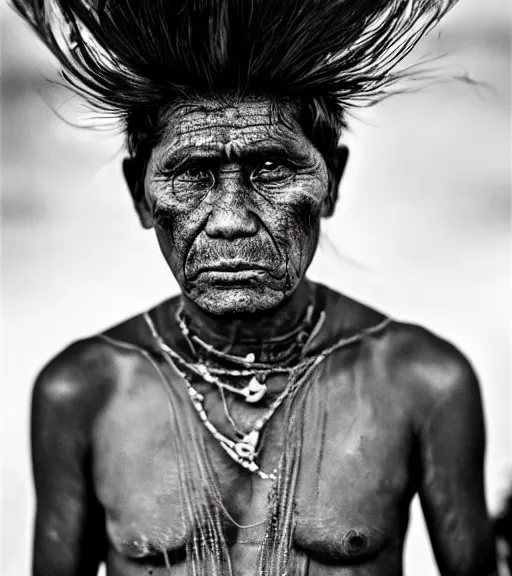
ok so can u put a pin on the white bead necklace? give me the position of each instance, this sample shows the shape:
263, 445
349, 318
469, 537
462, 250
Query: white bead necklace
244, 450
256, 388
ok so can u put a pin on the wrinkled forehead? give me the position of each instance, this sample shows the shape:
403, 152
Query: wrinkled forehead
229, 129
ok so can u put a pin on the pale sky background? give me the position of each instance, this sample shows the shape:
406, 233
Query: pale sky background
422, 231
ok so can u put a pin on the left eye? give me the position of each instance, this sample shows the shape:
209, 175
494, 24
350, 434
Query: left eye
194, 179
272, 174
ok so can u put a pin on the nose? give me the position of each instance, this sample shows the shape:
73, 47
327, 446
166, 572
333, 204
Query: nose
231, 216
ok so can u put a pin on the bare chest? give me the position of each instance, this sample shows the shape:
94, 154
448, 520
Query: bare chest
352, 487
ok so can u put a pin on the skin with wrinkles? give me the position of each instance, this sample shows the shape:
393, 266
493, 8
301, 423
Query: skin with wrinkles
277, 210
235, 194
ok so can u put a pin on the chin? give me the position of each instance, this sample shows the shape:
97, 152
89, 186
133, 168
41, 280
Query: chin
236, 300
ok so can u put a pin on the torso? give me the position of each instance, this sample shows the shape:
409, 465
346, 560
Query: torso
357, 473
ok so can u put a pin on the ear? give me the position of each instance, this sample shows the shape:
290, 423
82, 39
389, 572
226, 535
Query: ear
336, 164
134, 172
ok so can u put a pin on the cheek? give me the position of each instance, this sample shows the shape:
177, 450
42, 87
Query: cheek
304, 233
298, 227
176, 225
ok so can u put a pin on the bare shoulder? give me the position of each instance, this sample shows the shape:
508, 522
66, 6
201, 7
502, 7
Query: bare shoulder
426, 364
432, 371
417, 368
74, 384
86, 373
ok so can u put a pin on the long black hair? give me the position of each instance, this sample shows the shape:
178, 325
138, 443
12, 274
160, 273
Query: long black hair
130, 58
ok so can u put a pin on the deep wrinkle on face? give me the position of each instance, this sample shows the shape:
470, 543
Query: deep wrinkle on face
236, 187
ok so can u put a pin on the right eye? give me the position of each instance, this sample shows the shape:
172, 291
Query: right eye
272, 175
194, 179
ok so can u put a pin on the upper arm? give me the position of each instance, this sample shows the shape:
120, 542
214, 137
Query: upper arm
68, 538
452, 446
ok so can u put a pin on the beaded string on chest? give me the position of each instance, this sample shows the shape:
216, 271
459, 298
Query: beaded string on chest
210, 366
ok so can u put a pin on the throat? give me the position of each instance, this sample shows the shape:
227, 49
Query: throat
272, 336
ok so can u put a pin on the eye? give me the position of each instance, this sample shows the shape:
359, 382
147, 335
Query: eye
272, 174
194, 179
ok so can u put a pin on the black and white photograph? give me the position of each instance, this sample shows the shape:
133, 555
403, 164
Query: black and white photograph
256, 287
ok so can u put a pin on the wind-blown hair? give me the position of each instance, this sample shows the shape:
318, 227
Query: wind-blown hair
131, 58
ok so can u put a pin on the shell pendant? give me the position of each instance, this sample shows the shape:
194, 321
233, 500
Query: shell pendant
254, 391
246, 448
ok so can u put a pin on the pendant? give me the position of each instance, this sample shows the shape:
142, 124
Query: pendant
245, 451
254, 391
246, 448
247, 463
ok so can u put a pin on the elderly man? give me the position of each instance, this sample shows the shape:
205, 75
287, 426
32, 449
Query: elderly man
257, 423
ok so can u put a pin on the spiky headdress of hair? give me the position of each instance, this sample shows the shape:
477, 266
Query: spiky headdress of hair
127, 56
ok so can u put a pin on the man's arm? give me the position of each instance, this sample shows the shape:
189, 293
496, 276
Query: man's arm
69, 528
452, 444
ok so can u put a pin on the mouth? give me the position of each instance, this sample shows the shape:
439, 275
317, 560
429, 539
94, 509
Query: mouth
230, 271
230, 277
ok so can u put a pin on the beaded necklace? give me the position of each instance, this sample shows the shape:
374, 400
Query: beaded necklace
298, 336
244, 450
256, 388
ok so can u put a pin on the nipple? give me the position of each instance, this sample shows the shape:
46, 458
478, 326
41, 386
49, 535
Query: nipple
354, 542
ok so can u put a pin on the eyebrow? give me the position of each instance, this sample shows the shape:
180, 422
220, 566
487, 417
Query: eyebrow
254, 152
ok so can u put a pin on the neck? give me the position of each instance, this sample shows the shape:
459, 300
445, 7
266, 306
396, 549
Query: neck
241, 333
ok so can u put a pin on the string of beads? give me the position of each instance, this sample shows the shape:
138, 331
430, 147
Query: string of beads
242, 451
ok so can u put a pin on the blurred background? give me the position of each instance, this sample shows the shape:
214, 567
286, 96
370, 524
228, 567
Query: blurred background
422, 231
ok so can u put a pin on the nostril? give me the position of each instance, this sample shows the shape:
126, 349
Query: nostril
231, 224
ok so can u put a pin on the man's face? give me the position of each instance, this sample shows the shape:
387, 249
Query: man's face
236, 197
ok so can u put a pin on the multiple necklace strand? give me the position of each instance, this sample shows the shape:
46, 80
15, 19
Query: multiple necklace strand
299, 335
148, 357
256, 388
307, 367
245, 449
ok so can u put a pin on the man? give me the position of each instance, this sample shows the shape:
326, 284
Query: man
258, 423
